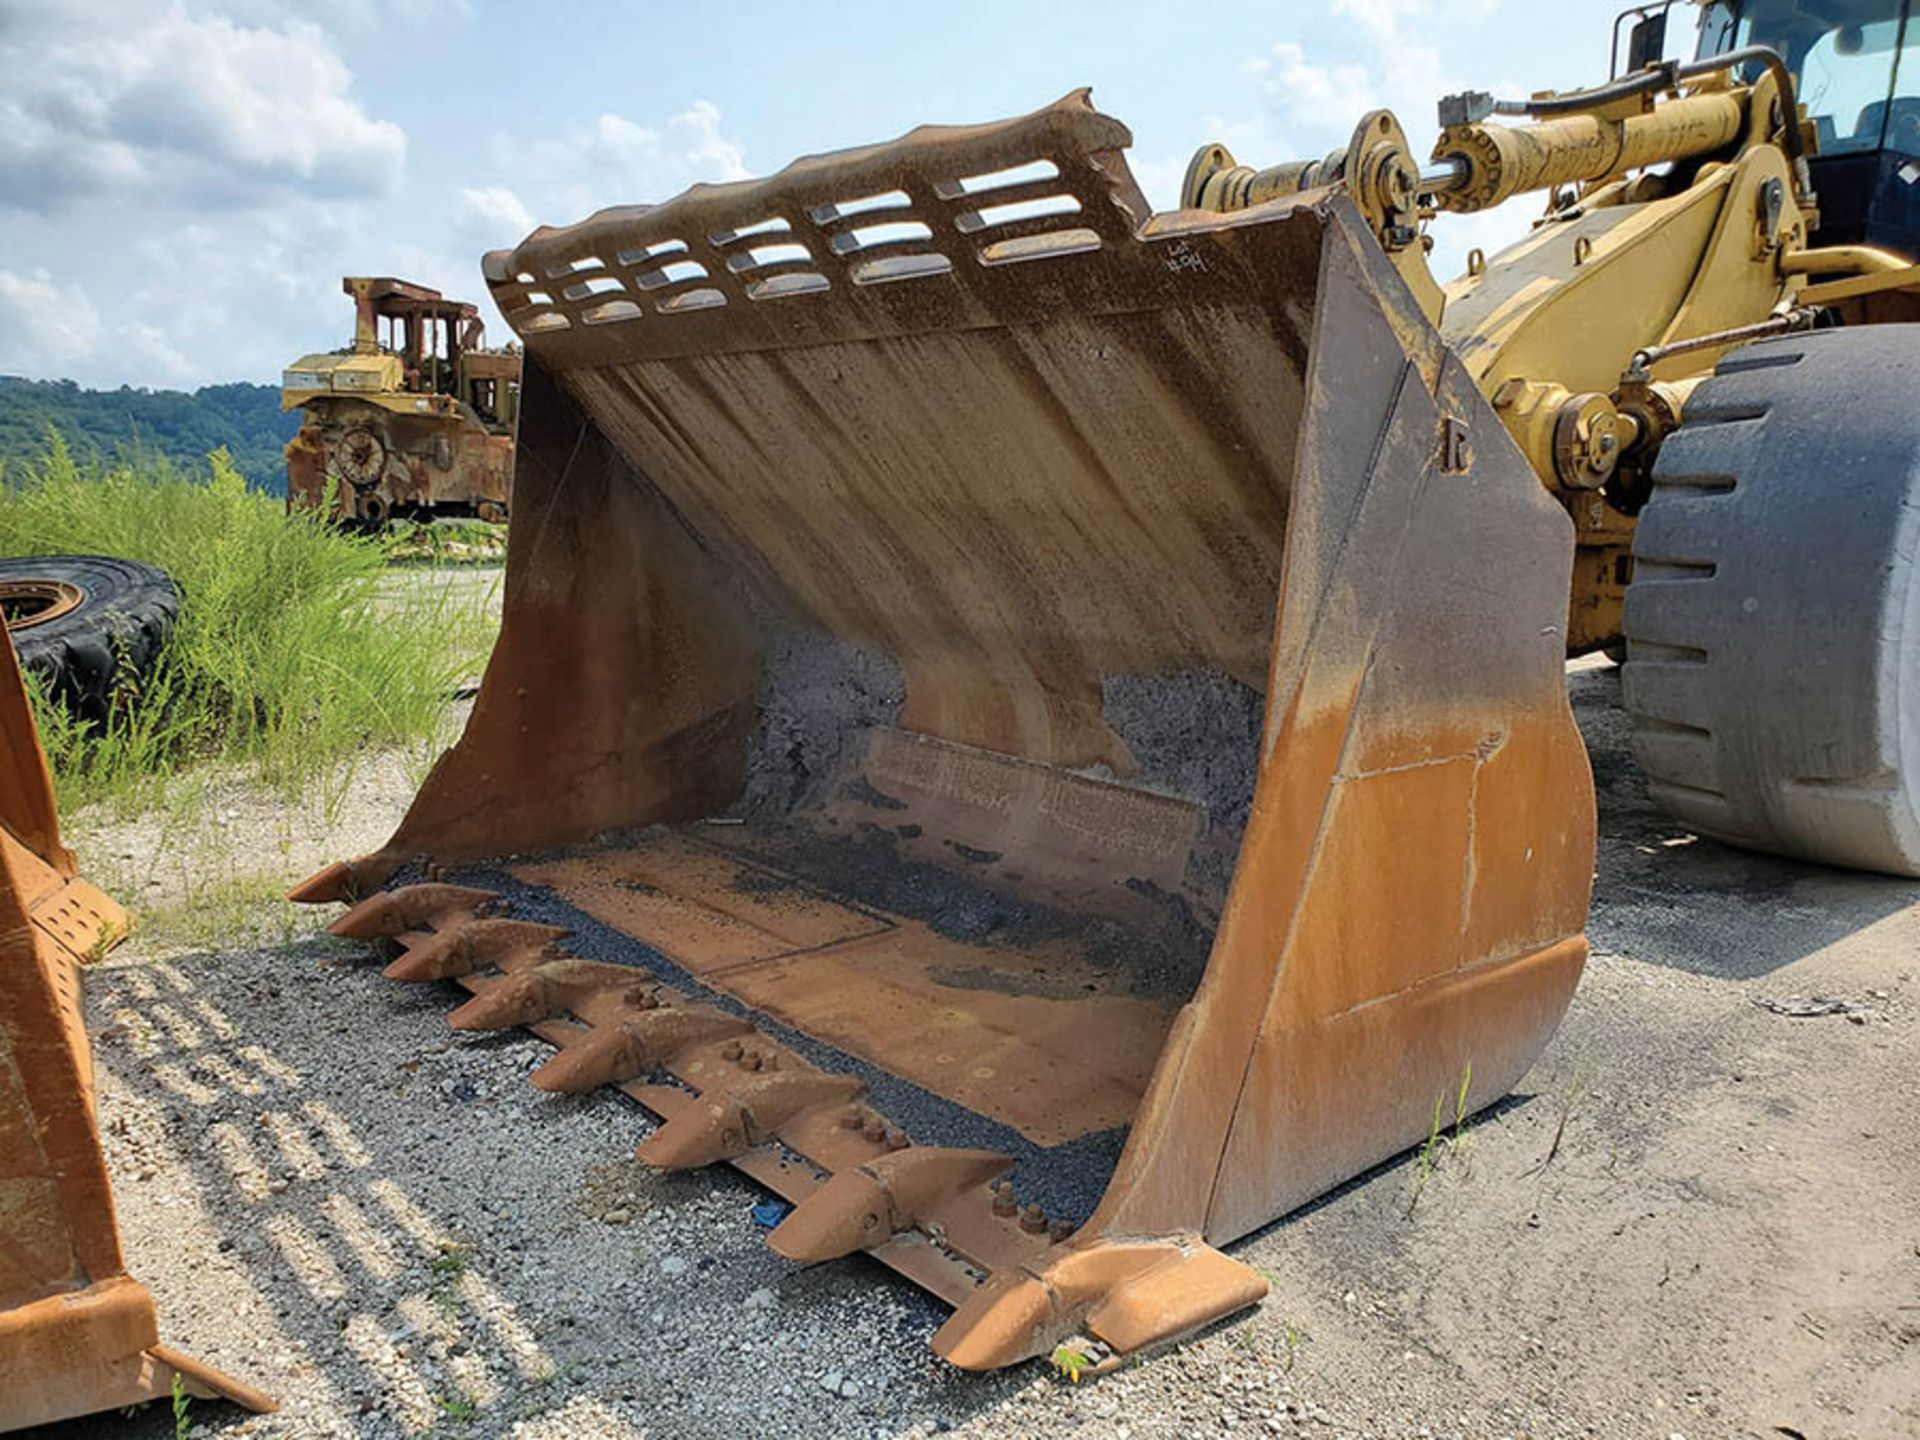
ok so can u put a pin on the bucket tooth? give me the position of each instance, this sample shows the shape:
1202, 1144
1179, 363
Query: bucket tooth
732, 1121
444, 955
529, 995
336, 882
345, 881
412, 907
850, 1212
1000, 1323
1125, 1294
462, 949
866, 1206
621, 1050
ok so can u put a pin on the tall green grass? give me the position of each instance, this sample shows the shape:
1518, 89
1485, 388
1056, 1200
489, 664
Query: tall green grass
295, 651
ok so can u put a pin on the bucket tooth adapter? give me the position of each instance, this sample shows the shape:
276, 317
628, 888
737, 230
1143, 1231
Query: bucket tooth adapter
617, 1050
460, 949
1082, 687
862, 1207
412, 907
752, 1112
77, 1333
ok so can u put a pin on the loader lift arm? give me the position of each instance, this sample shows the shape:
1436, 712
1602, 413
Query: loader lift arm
1588, 335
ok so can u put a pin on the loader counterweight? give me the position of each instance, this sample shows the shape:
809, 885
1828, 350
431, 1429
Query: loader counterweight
1092, 679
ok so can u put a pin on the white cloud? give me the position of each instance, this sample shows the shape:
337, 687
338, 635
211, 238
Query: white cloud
1310, 90
617, 161
42, 322
180, 193
161, 101
185, 188
192, 290
493, 211
378, 19
488, 217
690, 145
1381, 17
1321, 101
152, 351
183, 301
558, 181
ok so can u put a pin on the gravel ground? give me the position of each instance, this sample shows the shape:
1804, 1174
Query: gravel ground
1696, 1217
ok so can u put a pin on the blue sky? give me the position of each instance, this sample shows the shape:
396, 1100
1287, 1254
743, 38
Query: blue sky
183, 184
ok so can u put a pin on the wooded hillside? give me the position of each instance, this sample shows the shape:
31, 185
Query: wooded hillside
183, 428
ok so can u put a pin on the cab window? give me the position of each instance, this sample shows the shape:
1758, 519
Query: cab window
1847, 57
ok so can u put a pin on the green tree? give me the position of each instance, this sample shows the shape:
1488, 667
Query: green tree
104, 426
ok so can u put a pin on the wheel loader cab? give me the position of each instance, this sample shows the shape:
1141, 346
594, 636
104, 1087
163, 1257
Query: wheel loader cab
1857, 66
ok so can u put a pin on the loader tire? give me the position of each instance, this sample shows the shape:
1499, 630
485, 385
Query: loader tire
1773, 619
89, 627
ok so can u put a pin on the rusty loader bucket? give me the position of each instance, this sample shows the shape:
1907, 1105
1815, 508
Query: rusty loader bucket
1035, 731
77, 1333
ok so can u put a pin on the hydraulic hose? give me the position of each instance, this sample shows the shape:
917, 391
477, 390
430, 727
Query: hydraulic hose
1668, 75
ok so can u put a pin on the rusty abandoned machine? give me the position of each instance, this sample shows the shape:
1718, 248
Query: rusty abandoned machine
1037, 729
413, 421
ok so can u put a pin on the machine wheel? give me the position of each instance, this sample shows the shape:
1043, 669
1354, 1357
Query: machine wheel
1773, 621
361, 457
87, 626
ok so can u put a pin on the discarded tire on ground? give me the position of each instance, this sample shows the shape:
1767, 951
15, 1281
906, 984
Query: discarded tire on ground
1773, 622
87, 627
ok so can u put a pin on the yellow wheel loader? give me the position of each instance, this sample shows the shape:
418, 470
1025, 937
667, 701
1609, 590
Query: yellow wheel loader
1036, 729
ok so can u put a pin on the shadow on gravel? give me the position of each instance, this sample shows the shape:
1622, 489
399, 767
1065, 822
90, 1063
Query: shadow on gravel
429, 1242
1670, 897
429, 1239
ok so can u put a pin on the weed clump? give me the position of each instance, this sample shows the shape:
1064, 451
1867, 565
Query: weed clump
296, 649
